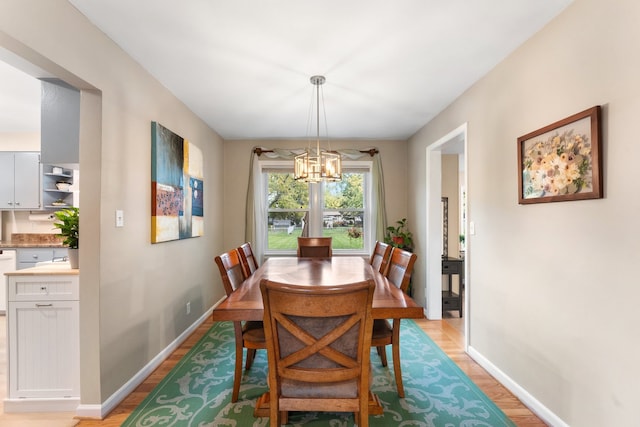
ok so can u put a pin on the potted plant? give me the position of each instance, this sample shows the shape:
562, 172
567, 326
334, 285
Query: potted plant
68, 222
400, 236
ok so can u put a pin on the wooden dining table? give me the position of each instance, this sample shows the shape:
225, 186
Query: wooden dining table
245, 303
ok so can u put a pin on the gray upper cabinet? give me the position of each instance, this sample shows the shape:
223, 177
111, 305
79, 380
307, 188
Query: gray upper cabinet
20, 178
60, 123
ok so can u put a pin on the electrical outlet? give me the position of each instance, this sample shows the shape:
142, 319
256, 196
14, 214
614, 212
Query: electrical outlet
189, 307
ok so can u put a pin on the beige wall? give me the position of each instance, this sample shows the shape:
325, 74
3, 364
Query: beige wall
236, 171
552, 286
133, 293
19, 141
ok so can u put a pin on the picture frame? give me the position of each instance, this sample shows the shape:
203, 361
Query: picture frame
562, 161
177, 186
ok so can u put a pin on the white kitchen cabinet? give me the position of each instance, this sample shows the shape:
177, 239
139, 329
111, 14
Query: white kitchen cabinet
20, 179
43, 342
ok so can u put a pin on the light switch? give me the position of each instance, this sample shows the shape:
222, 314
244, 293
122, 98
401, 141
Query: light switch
472, 228
119, 218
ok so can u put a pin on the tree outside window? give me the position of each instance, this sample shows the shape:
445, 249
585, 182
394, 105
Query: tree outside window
339, 209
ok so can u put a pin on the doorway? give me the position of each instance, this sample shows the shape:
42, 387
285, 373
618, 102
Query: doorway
442, 180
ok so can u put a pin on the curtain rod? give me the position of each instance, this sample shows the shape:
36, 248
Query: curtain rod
259, 151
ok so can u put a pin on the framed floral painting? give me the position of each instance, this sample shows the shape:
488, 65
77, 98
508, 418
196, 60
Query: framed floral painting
561, 161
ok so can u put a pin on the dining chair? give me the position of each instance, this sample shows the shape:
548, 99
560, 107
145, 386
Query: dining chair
314, 247
249, 262
380, 256
384, 333
318, 345
249, 335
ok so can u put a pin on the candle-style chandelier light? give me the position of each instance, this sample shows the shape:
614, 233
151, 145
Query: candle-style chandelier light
318, 165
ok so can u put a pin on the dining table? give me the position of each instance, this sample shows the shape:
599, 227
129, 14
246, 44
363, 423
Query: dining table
245, 302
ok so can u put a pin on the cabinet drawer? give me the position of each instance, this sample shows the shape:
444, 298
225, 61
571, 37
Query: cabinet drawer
44, 288
34, 255
450, 304
452, 267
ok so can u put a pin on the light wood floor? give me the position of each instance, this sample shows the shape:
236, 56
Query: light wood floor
445, 333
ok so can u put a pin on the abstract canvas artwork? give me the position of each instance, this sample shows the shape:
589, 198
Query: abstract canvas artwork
177, 180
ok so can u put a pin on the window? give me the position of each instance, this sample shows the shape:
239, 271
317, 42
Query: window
340, 210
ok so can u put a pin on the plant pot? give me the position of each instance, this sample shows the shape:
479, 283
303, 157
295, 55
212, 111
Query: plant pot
74, 259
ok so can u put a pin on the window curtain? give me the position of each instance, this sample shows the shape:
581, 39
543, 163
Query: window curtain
255, 226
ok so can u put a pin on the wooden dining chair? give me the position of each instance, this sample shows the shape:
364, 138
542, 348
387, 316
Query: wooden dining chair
318, 345
249, 335
384, 333
249, 262
314, 247
380, 257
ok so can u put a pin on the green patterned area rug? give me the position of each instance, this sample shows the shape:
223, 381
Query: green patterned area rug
197, 392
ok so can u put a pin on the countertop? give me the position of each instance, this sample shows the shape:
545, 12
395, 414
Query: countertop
53, 269
19, 245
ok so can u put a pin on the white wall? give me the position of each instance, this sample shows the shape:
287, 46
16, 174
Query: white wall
133, 293
552, 286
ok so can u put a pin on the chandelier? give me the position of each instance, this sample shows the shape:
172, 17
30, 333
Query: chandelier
318, 165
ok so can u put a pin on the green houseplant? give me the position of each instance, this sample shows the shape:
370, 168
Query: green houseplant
68, 222
400, 236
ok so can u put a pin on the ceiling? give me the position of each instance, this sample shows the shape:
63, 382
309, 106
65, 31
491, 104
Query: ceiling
19, 98
391, 66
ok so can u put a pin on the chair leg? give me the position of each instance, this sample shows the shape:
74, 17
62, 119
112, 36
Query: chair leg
395, 348
383, 355
251, 354
237, 374
275, 416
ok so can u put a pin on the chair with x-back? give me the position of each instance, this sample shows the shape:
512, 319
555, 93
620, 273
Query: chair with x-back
249, 335
314, 247
249, 262
399, 273
318, 345
380, 257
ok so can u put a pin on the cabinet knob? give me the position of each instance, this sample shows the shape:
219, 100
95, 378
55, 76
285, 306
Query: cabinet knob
44, 305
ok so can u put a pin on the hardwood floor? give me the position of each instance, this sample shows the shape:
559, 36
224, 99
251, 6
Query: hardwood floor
445, 333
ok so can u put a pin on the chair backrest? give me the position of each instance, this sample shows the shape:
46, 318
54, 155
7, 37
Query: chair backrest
314, 247
380, 257
231, 270
249, 262
400, 268
318, 340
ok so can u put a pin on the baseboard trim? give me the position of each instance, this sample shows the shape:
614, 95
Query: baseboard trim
102, 410
527, 399
41, 405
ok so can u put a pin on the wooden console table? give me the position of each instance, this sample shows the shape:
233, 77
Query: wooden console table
450, 299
